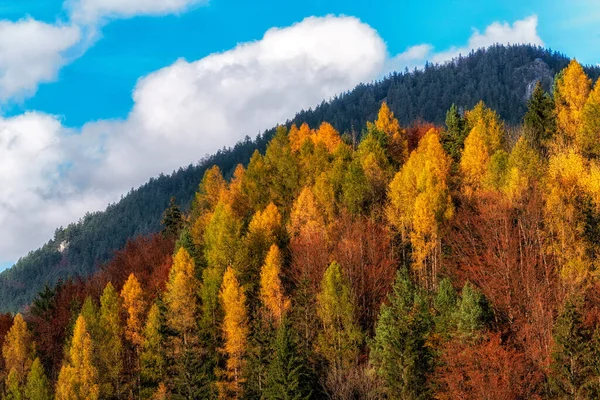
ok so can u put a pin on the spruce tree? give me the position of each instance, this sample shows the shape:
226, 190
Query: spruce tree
453, 139
539, 123
287, 378
572, 370
399, 350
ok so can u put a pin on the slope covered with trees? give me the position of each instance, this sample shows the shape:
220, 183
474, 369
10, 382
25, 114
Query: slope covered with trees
503, 77
454, 261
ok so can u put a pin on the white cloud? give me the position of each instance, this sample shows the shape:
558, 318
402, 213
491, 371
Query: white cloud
92, 11
181, 113
520, 32
32, 52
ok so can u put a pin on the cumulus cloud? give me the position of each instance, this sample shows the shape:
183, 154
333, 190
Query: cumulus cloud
520, 32
51, 175
93, 11
32, 52
181, 113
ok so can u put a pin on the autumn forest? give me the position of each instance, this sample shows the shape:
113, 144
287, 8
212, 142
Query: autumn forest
457, 261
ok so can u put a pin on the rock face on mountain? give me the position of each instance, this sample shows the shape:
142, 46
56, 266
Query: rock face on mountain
503, 77
530, 74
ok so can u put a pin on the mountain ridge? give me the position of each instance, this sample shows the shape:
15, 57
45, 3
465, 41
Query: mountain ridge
501, 76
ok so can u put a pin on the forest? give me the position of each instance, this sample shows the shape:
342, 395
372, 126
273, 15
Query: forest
450, 261
502, 76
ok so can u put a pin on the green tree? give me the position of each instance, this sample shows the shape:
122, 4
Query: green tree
399, 350
110, 346
453, 139
38, 385
340, 338
539, 123
572, 374
445, 303
152, 357
172, 220
474, 313
287, 378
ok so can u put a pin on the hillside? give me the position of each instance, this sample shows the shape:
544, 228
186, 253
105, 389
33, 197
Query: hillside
419, 263
502, 77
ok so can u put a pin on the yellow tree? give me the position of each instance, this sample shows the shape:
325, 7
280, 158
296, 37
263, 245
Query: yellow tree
565, 191
211, 187
134, 305
298, 136
524, 167
588, 136
305, 218
327, 135
271, 288
235, 332
78, 378
397, 140
182, 311
222, 237
18, 351
419, 203
484, 140
235, 195
570, 94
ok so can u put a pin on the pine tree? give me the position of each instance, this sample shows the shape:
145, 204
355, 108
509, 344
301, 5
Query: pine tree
287, 378
110, 346
340, 338
539, 123
78, 378
235, 333
38, 385
399, 350
445, 304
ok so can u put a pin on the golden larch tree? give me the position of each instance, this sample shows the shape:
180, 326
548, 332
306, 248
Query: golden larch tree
588, 136
235, 332
135, 306
397, 138
328, 136
18, 352
271, 288
571, 92
419, 203
298, 136
78, 378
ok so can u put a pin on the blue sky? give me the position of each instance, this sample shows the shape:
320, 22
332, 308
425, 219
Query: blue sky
98, 85
97, 96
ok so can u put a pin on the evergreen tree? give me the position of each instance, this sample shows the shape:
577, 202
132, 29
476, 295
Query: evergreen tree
539, 123
172, 220
474, 313
572, 373
399, 350
453, 139
287, 378
445, 304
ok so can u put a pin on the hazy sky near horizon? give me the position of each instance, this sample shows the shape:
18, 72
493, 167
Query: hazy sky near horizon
97, 96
